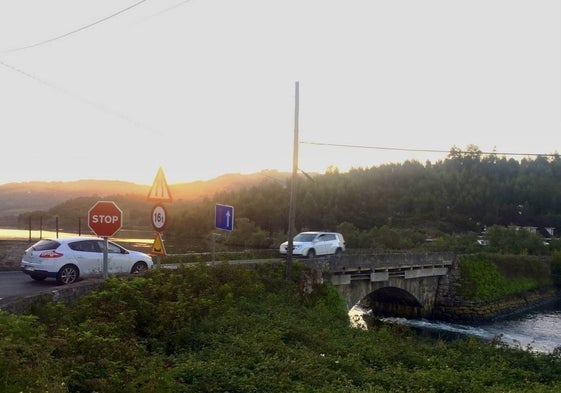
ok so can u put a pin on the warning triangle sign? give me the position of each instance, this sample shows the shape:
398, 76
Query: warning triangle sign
158, 246
159, 192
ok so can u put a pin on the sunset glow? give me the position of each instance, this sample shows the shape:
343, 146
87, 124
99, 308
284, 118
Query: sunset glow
116, 89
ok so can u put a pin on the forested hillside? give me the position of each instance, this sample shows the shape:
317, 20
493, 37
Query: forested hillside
38, 197
396, 205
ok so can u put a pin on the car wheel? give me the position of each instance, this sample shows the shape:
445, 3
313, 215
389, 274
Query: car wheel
338, 251
68, 274
37, 278
139, 267
311, 253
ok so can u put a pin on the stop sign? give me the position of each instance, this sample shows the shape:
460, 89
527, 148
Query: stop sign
105, 218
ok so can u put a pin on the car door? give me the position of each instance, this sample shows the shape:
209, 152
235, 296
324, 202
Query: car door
87, 256
321, 244
331, 243
327, 244
118, 260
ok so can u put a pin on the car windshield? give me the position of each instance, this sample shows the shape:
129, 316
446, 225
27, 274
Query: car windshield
304, 237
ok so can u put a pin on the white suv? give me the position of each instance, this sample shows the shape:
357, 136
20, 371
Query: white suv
310, 244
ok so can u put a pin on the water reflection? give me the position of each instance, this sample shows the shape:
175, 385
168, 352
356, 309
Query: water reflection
135, 236
356, 317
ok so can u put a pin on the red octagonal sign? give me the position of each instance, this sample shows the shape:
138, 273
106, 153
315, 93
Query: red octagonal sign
105, 218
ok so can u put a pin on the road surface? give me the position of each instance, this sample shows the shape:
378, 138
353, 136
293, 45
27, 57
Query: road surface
16, 283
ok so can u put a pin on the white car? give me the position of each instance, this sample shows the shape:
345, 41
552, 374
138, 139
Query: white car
310, 244
69, 259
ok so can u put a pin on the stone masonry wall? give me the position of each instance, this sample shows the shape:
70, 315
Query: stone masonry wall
449, 305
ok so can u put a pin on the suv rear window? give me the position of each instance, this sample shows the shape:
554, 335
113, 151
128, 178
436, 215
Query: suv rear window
45, 244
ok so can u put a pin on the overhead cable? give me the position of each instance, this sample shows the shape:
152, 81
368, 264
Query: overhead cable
74, 31
427, 150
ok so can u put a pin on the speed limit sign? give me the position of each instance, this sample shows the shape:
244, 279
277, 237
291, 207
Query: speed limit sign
159, 218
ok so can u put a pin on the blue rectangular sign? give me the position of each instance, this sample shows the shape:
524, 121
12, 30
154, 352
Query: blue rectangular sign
224, 217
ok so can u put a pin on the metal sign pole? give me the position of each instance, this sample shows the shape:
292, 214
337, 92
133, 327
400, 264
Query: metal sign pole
105, 258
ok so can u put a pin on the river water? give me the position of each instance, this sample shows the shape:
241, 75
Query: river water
538, 330
136, 236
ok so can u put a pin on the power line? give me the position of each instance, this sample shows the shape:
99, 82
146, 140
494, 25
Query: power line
83, 100
426, 150
170, 8
75, 31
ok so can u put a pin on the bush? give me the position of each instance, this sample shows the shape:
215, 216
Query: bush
226, 328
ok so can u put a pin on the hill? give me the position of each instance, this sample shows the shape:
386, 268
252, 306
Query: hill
17, 198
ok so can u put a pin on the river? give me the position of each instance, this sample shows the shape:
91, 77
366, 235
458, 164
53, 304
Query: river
538, 330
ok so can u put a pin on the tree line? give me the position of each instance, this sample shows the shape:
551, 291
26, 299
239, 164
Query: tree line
391, 206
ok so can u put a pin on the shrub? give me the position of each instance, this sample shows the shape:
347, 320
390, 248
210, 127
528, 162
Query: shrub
227, 328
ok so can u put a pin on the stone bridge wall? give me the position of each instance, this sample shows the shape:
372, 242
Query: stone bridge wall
414, 278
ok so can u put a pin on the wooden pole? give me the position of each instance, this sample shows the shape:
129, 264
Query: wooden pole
292, 206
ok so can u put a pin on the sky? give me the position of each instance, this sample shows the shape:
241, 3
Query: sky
116, 89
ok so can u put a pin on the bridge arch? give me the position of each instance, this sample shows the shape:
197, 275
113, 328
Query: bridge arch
391, 302
399, 284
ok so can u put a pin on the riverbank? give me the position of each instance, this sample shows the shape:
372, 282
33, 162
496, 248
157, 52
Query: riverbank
284, 349
477, 312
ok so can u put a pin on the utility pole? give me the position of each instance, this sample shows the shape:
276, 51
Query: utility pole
292, 207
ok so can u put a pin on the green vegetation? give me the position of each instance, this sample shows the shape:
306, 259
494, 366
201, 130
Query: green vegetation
387, 207
226, 328
221, 256
556, 268
489, 277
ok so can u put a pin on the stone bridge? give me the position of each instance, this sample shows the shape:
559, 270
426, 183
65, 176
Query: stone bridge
404, 284
398, 284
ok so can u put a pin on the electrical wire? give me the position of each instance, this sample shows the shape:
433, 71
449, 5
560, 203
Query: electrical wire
83, 100
170, 8
75, 31
426, 150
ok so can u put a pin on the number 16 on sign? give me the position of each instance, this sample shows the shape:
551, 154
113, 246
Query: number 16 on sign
159, 218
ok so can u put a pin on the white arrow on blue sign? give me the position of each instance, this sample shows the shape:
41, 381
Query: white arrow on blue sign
224, 217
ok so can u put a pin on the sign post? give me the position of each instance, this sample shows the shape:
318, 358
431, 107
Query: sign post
159, 218
223, 219
105, 219
159, 193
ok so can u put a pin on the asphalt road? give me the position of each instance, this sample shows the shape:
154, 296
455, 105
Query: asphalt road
17, 283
